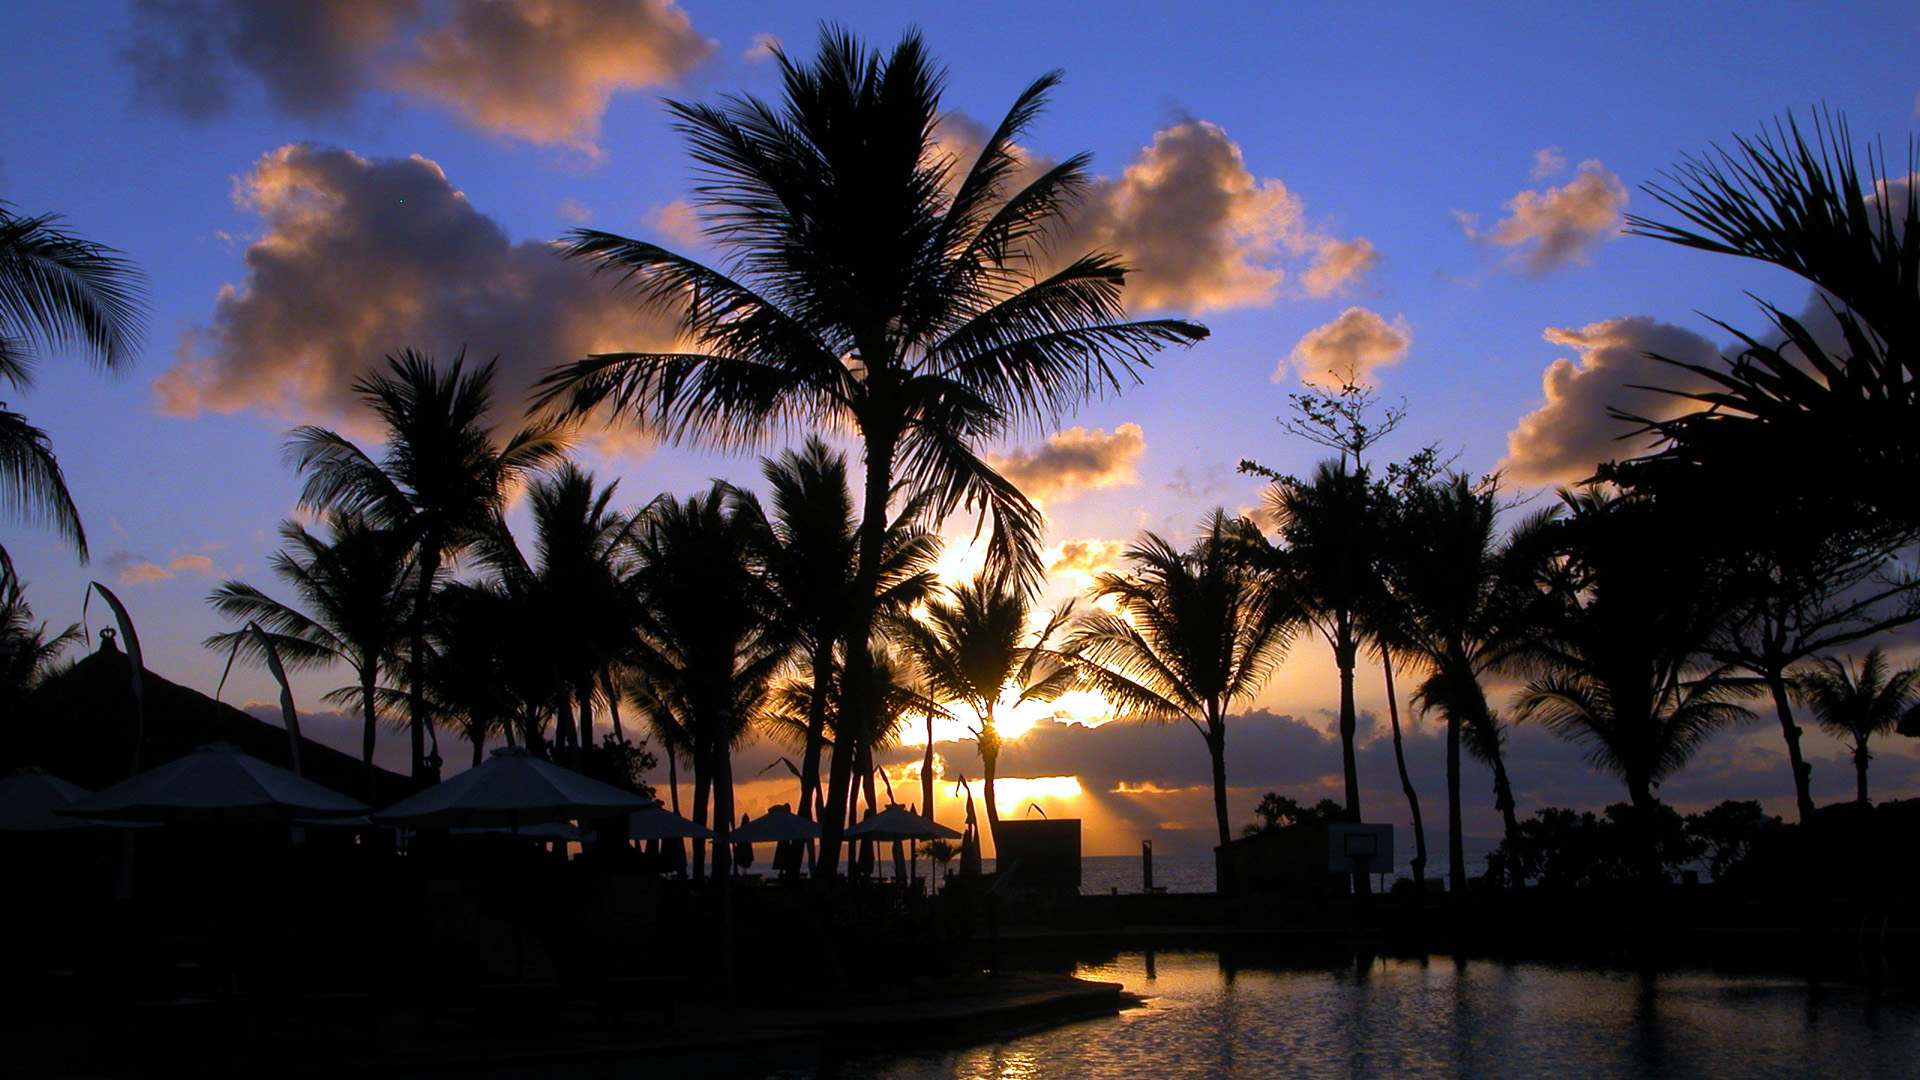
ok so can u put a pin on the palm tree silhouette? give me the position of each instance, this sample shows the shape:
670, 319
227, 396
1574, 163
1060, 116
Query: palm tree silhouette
973, 647
57, 291
1619, 663
1857, 703
1458, 602
811, 558
872, 286
712, 637
1192, 633
439, 483
1326, 559
27, 653
354, 605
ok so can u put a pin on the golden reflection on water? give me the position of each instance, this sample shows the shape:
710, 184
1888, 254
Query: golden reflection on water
1212, 1017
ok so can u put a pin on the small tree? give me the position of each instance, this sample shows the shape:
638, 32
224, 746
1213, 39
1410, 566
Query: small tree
1277, 811
1857, 703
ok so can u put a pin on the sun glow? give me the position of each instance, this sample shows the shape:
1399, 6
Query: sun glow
1011, 794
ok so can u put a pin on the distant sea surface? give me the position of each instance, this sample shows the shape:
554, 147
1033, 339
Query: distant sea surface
1193, 872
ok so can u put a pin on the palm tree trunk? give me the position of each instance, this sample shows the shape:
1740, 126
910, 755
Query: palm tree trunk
856, 705
1343, 655
564, 734
1502, 789
1419, 864
417, 661
1216, 735
821, 661
700, 791
989, 768
586, 716
1456, 839
1802, 772
1860, 759
369, 675
926, 773
1640, 791
613, 711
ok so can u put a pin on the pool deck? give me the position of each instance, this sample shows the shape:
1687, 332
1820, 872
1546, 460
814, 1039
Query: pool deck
211, 1042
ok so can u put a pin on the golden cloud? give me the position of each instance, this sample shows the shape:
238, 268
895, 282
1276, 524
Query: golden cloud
1566, 438
361, 258
1075, 459
1087, 557
1560, 225
1348, 349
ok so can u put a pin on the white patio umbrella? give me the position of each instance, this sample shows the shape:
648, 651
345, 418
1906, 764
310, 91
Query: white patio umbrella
216, 784
656, 822
510, 789
29, 796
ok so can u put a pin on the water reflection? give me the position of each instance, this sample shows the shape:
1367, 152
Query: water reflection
1213, 1016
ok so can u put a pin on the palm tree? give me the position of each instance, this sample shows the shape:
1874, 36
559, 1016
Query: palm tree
27, 654
574, 593
871, 286
1859, 703
811, 559
1192, 633
1619, 662
1329, 539
440, 483
354, 603
56, 291
1459, 599
712, 637
973, 648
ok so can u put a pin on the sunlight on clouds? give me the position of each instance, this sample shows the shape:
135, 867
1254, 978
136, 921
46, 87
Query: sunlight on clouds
1012, 793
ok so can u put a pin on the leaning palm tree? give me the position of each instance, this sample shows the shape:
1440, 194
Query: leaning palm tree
1458, 602
974, 648
56, 291
871, 284
1191, 634
353, 607
440, 482
1857, 703
1619, 662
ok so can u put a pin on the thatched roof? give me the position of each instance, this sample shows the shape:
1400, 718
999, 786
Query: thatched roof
79, 725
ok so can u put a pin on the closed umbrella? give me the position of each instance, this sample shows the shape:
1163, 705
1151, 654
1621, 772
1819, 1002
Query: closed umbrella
216, 784
30, 795
510, 789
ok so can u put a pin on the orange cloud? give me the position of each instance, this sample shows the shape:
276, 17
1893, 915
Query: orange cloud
1348, 349
544, 70
1087, 557
1560, 225
360, 258
1570, 434
1075, 459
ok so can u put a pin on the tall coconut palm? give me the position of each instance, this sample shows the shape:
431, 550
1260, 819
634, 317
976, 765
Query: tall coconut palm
872, 284
1620, 663
1326, 559
1191, 634
439, 483
974, 648
57, 291
1857, 703
353, 608
1458, 602
811, 559
712, 637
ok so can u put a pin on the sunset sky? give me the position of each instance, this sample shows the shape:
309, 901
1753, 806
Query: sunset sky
1430, 194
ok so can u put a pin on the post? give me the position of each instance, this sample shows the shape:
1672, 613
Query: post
1146, 866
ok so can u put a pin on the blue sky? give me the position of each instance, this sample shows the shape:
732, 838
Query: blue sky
1429, 189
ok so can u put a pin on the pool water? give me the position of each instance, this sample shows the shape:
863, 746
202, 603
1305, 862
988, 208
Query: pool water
1437, 1017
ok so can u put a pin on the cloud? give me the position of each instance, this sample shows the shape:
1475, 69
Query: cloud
544, 70
1548, 161
1560, 225
1075, 459
1563, 440
762, 48
361, 258
541, 70
131, 569
1202, 233
1087, 557
679, 221
1348, 349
